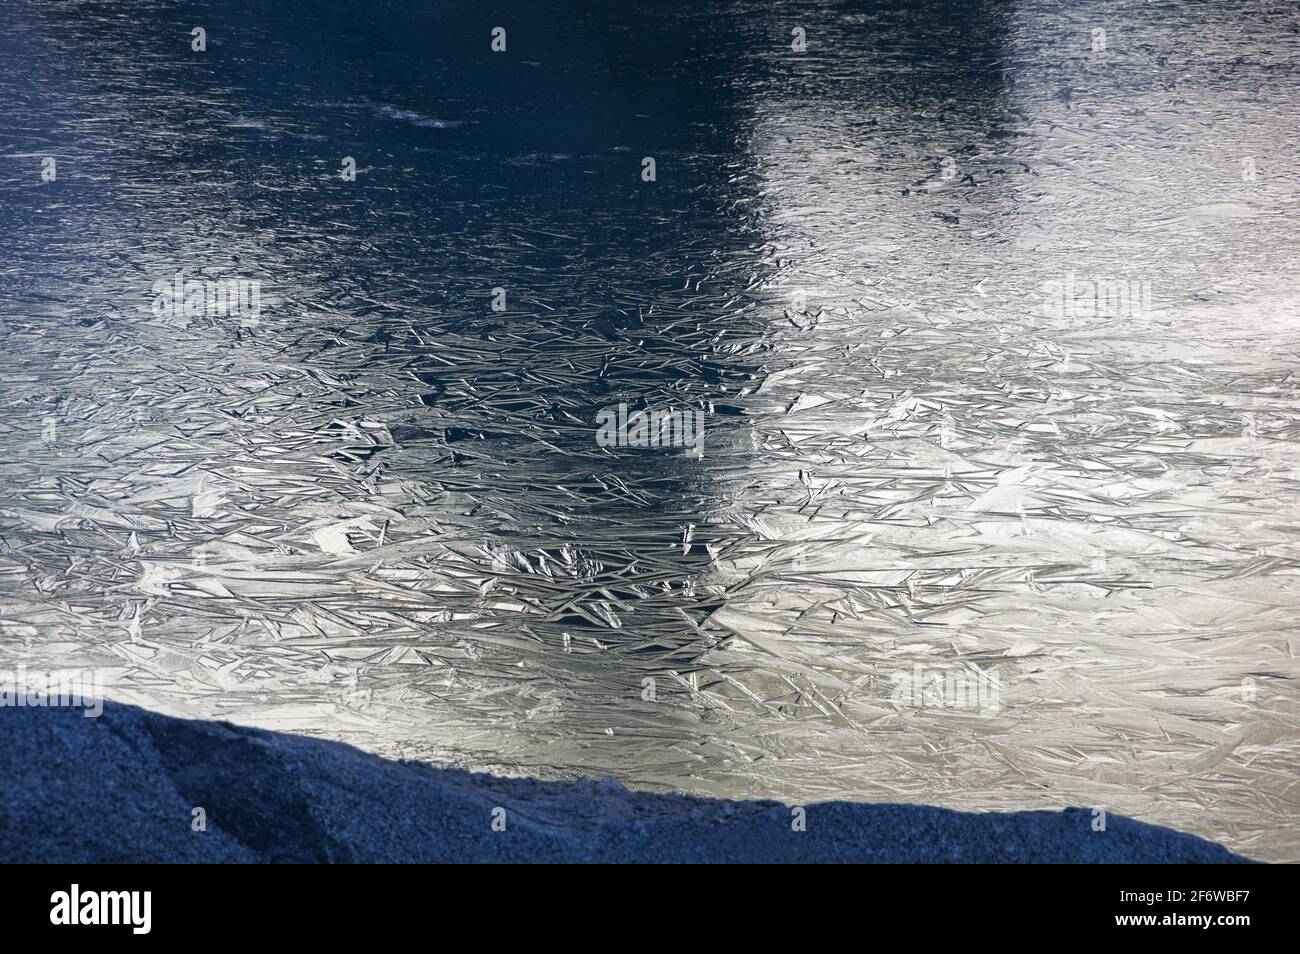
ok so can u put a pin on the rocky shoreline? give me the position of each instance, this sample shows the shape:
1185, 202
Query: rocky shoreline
136, 786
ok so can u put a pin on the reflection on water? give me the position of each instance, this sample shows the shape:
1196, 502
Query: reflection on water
380, 513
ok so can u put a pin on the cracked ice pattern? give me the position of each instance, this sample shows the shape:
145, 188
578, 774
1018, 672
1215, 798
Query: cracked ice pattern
381, 515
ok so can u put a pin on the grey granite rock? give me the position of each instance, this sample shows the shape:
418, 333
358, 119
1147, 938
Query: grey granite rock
123, 787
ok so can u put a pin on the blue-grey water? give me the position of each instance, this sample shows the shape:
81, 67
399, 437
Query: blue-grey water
992, 319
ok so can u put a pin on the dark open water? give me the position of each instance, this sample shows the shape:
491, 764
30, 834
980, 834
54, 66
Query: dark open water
380, 513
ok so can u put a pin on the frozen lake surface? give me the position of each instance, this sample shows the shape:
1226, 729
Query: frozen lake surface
993, 321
